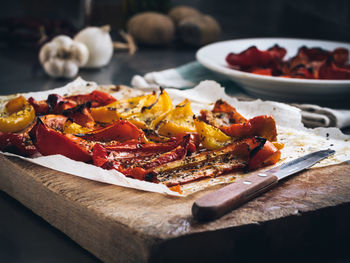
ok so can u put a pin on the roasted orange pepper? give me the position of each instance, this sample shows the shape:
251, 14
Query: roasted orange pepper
267, 155
263, 126
223, 107
120, 130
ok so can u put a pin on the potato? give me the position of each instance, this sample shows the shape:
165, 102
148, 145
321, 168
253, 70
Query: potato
151, 28
199, 30
178, 13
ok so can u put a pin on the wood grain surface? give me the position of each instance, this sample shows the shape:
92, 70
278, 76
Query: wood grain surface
307, 211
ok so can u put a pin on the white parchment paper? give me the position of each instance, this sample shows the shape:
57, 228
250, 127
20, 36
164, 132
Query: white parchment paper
297, 139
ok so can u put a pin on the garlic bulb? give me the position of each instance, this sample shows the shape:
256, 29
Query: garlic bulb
62, 57
99, 43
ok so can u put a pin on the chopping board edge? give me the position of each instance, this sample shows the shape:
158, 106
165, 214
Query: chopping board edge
78, 223
270, 241
16, 174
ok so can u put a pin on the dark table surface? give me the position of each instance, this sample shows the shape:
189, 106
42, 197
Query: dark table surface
25, 237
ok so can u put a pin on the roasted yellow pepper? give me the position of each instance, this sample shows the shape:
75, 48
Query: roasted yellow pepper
74, 128
150, 116
122, 109
17, 115
180, 119
211, 137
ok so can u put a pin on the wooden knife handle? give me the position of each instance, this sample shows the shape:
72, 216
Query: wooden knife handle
222, 201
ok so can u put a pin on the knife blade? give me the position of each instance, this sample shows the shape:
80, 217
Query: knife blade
222, 201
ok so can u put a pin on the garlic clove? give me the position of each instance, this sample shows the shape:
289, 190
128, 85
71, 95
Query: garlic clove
99, 43
62, 57
54, 67
80, 53
70, 69
63, 41
48, 50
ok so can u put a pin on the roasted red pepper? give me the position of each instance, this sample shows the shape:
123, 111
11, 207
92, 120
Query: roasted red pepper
340, 57
267, 155
253, 58
96, 98
223, 107
157, 155
140, 148
313, 54
120, 130
41, 107
301, 71
53, 121
145, 171
49, 141
194, 141
309, 63
176, 154
81, 115
56, 104
263, 126
100, 157
329, 70
17, 143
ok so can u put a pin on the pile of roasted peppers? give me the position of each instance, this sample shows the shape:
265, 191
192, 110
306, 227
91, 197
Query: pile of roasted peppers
142, 137
308, 63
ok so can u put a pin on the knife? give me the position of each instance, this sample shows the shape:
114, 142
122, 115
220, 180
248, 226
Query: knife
222, 201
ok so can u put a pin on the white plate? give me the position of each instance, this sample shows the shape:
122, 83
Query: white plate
213, 57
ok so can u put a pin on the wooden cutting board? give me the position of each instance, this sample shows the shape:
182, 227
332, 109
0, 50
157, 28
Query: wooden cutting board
306, 212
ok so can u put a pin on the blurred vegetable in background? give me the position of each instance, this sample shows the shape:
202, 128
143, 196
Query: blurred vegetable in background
97, 26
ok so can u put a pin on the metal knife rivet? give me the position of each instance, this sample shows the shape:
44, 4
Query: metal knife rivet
247, 182
262, 175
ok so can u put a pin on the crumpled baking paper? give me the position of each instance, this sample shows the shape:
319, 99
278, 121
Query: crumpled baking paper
297, 139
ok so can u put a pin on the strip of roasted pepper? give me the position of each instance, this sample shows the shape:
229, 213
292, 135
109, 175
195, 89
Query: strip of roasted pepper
103, 159
120, 130
49, 142
97, 98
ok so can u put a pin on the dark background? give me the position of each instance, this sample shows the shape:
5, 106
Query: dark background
19, 19
329, 20
25, 237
